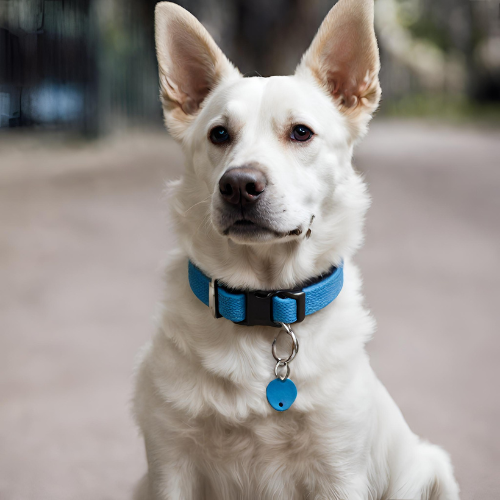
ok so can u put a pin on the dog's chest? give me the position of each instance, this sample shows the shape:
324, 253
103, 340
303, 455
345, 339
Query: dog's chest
270, 455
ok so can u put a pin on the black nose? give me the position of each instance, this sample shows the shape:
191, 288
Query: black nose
242, 185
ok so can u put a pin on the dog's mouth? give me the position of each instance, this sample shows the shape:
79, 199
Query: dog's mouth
244, 222
248, 229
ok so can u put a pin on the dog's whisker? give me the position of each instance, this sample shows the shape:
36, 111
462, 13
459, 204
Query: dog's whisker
207, 224
196, 204
204, 220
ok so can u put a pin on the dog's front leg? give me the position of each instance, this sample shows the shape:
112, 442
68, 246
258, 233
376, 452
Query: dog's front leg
170, 477
336, 488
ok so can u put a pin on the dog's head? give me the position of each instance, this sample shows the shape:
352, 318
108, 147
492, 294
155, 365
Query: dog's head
269, 184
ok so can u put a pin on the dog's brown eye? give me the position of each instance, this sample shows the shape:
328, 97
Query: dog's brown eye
219, 135
301, 133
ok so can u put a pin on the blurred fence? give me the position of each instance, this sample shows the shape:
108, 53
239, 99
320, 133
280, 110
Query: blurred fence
89, 65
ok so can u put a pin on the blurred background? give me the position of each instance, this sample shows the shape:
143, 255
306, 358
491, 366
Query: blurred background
84, 227
89, 65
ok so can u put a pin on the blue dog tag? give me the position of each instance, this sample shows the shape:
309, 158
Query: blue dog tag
281, 394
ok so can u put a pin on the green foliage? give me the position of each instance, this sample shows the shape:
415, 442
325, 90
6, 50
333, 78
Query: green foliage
426, 28
442, 107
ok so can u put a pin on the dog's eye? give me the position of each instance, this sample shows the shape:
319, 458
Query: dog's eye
301, 133
218, 135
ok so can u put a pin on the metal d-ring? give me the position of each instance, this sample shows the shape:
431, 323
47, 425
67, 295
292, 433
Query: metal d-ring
295, 347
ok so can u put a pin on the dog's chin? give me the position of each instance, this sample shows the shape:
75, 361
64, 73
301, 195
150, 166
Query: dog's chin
248, 233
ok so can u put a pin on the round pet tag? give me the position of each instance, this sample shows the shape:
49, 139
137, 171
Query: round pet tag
281, 394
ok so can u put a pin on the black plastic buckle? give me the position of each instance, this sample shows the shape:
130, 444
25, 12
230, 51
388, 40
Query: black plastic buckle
259, 307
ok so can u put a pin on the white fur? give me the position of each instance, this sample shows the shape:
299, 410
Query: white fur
201, 385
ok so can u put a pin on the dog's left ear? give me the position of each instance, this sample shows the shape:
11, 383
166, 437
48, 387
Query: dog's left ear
344, 59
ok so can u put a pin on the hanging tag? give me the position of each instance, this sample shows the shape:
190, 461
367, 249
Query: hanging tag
282, 392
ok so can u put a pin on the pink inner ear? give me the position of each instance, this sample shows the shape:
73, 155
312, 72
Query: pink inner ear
348, 61
193, 71
195, 86
344, 87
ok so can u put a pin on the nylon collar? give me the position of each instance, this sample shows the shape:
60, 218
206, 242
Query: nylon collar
266, 307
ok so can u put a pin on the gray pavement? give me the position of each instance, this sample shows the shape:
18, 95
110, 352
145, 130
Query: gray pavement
83, 232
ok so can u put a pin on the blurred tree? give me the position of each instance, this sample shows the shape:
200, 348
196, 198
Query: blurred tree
447, 47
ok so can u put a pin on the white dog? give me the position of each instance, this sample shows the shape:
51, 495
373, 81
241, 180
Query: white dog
270, 201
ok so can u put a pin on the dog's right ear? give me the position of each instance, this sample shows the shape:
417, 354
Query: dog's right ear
190, 65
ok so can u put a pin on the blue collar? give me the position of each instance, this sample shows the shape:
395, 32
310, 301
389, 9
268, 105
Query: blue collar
266, 307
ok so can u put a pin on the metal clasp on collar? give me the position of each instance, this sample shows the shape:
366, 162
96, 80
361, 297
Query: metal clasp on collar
300, 299
213, 298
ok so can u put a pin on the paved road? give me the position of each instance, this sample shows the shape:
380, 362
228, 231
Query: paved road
83, 231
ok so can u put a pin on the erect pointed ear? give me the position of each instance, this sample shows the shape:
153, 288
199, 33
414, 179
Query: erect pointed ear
344, 59
190, 64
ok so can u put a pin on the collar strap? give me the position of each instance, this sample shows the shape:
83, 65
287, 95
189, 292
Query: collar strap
266, 307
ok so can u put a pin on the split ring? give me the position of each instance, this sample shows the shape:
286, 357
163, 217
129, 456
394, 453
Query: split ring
282, 363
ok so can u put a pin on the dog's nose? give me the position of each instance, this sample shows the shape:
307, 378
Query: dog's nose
242, 185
